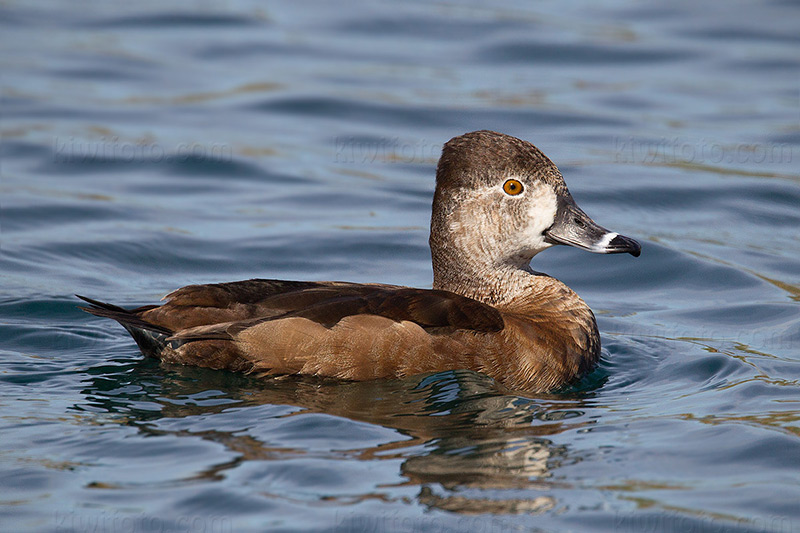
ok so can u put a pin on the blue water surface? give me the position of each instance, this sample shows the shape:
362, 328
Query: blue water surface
148, 145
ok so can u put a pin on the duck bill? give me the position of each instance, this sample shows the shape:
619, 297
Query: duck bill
573, 227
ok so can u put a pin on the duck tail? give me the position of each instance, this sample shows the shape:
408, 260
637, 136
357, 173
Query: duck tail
150, 338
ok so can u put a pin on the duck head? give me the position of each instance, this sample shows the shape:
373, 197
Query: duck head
499, 201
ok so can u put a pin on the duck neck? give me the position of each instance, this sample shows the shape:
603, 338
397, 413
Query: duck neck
486, 281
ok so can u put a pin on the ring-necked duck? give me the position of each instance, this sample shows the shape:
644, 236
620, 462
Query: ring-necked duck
498, 202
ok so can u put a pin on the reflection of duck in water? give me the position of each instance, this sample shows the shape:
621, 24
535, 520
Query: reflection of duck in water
499, 201
465, 443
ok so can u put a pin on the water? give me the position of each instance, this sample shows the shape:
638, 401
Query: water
149, 145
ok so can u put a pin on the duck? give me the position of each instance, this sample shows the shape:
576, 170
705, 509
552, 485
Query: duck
498, 202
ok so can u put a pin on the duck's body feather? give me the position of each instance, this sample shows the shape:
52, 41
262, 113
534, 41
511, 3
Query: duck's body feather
358, 331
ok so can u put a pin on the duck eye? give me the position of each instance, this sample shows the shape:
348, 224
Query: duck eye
512, 187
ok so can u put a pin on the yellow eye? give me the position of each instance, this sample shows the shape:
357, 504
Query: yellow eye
512, 187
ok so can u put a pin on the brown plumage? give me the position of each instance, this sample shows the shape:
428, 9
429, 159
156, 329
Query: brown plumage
488, 311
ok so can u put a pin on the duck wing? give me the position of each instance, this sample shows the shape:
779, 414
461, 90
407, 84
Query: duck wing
350, 330
237, 305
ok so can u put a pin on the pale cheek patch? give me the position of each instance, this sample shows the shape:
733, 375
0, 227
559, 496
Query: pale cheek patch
602, 244
542, 209
537, 214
